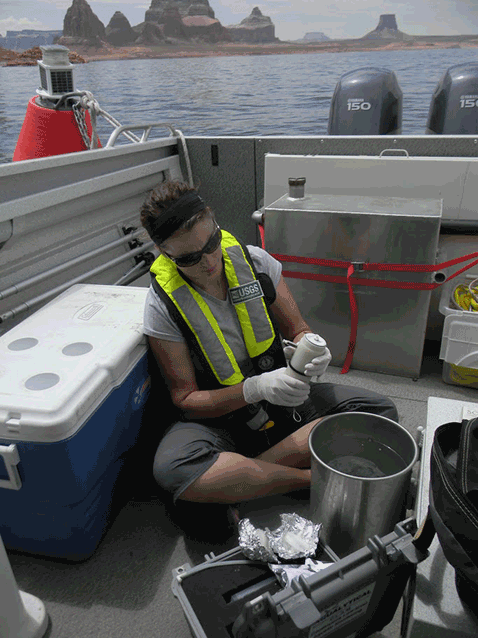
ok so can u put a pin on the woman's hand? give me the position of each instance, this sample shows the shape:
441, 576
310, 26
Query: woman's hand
314, 368
318, 366
288, 348
277, 387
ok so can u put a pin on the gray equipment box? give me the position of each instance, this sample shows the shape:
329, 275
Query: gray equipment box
230, 596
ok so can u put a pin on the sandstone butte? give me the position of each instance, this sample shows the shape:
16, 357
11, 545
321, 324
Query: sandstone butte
202, 49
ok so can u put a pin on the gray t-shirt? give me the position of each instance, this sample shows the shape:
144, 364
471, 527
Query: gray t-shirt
157, 321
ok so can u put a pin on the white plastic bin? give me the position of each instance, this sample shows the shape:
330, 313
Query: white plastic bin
73, 380
459, 346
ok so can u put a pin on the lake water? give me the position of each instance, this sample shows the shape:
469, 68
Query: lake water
239, 95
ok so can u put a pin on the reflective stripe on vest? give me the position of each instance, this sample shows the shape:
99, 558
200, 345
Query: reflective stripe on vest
254, 319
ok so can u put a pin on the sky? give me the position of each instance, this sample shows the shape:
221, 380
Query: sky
338, 19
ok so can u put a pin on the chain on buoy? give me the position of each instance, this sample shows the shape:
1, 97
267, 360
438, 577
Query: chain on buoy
57, 120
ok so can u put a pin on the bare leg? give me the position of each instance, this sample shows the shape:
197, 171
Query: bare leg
293, 451
234, 478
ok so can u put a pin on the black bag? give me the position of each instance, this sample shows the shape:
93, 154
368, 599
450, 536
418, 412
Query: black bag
453, 501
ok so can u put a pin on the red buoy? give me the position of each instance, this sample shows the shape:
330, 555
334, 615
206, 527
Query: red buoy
47, 131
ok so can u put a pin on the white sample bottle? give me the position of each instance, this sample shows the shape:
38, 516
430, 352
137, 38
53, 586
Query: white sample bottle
309, 347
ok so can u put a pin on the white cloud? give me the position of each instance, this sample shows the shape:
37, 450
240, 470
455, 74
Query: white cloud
59, 4
17, 24
237, 7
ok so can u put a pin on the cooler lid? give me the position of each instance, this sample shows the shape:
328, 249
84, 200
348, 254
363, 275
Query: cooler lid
60, 363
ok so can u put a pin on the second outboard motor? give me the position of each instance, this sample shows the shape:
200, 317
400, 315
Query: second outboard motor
366, 102
454, 104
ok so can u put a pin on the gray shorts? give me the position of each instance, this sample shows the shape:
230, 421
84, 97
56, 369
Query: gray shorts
187, 450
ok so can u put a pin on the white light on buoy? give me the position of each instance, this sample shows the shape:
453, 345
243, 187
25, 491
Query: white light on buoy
56, 72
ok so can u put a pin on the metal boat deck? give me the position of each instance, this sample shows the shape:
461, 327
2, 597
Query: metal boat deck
59, 209
124, 588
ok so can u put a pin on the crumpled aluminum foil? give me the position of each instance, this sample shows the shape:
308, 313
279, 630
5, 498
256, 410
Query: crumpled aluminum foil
255, 543
286, 573
296, 537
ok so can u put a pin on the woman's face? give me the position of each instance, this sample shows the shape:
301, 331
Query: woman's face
210, 267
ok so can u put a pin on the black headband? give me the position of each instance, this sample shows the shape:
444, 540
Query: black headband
174, 217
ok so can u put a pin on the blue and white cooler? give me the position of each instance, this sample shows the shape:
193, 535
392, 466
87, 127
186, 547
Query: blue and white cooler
73, 382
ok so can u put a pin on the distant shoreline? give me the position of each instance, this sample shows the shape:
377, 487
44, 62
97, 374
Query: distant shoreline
179, 49
198, 50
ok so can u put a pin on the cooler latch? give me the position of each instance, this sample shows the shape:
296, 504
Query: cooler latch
11, 458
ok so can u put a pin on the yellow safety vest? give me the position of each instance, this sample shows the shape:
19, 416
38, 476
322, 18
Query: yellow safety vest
246, 294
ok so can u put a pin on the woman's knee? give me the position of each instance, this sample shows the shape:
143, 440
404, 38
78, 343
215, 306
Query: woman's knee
174, 468
333, 398
373, 403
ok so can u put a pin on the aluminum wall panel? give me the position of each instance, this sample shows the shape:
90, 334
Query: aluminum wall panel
224, 170
392, 323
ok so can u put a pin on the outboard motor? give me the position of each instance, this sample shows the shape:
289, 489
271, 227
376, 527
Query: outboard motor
366, 101
454, 105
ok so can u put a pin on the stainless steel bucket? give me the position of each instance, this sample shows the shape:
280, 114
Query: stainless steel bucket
361, 468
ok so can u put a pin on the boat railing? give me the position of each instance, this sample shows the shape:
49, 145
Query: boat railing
83, 101
147, 128
145, 260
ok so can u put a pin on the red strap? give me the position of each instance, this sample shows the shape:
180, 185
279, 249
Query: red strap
336, 263
380, 283
262, 234
353, 322
377, 283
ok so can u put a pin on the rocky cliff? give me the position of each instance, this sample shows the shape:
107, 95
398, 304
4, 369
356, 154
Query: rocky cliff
256, 28
165, 21
119, 31
81, 22
171, 23
387, 29
186, 19
315, 36
205, 29
158, 7
148, 34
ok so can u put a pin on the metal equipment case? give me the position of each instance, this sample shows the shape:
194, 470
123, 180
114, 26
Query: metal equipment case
230, 596
73, 381
358, 228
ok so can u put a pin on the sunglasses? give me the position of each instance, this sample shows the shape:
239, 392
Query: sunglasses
192, 259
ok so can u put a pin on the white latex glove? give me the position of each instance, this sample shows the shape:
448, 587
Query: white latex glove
318, 366
287, 349
277, 387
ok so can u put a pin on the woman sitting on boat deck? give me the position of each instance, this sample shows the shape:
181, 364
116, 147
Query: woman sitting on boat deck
242, 423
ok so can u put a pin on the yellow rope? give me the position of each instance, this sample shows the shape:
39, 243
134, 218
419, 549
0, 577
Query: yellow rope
465, 296
463, 375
